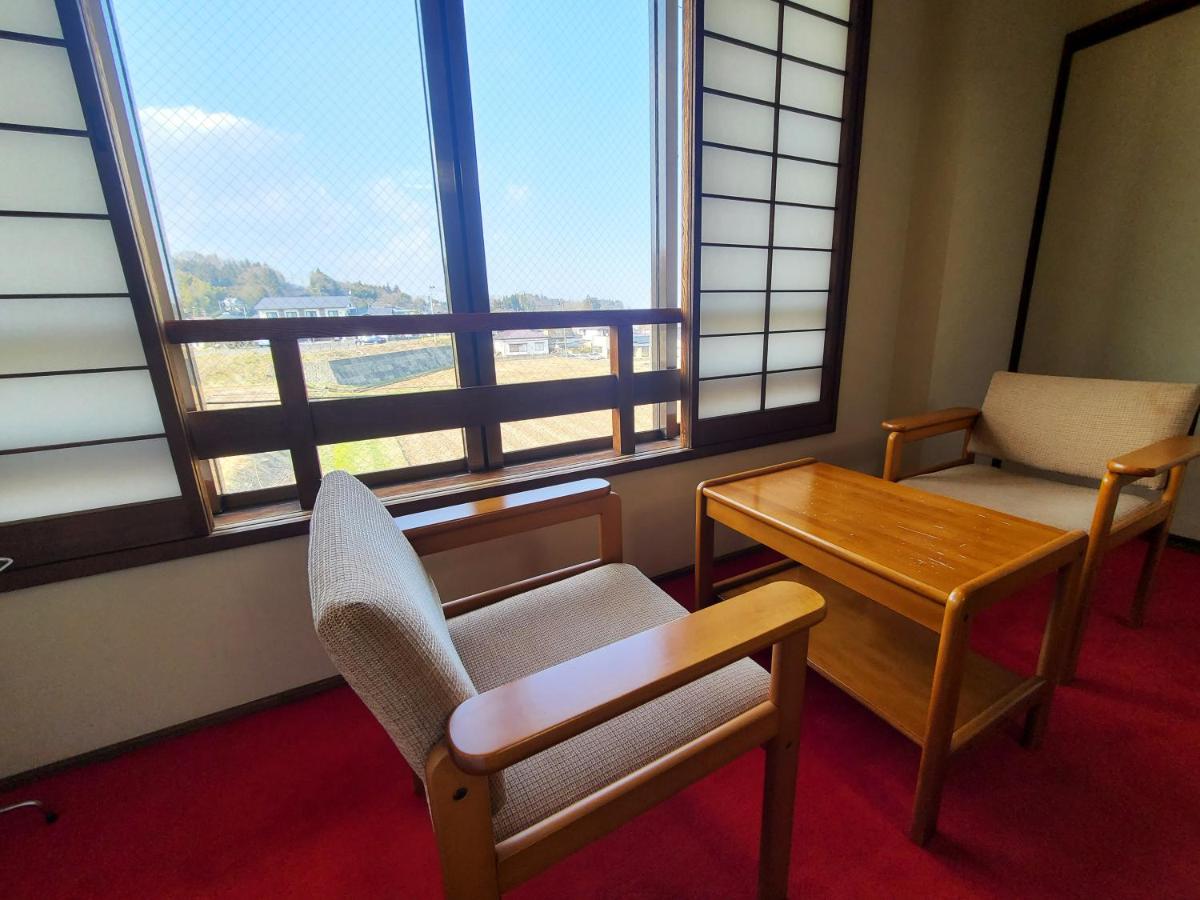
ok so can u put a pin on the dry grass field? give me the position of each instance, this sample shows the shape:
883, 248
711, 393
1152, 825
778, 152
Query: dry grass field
243, 376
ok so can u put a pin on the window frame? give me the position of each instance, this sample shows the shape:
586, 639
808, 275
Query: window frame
272, 513
46, 540
788, 422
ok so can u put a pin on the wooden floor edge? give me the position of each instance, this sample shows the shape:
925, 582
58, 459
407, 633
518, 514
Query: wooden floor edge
111, 751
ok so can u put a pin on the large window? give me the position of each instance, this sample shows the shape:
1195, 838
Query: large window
300, 183
288, 151
437, 245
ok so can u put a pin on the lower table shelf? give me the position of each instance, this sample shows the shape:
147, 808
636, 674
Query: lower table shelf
886, 662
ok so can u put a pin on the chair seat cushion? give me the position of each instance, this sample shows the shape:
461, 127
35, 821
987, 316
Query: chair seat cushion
540, 628
1067, 506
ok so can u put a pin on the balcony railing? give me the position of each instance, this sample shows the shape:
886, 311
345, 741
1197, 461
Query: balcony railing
299, 425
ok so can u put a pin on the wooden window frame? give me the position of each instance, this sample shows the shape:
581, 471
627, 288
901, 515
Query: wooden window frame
48, 539
485, 471
788, 422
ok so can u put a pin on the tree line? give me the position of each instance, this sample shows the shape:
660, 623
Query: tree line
207, 286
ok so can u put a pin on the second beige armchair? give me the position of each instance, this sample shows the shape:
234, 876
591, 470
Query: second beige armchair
1123, 433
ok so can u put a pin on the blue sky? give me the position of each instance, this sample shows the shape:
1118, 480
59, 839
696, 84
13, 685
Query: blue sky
279, 132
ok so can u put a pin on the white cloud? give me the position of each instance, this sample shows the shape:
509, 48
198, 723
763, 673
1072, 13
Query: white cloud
183, 124
517, 193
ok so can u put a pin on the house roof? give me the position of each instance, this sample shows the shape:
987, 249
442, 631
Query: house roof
520, 334
320, 302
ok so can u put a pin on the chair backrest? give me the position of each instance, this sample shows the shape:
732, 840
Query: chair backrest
380, 618
1076, 425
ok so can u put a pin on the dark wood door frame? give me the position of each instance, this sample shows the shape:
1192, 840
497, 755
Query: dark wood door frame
1105, 29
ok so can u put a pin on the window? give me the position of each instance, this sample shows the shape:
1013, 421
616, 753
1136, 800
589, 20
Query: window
414, 242
562, 104
92, 453
776, 122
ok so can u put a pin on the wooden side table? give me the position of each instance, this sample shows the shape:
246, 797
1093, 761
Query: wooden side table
903, 573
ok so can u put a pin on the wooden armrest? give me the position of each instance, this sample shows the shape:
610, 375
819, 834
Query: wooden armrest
469, 523
507, 724
1157, 457
964, 414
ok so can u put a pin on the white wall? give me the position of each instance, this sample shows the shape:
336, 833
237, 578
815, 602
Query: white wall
90, 662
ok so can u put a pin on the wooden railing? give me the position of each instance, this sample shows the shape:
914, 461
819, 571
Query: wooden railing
299, 424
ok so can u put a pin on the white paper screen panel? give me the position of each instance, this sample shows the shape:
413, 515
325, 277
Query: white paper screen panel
735, 222
814, 38
58, 334
791, 310
781, 104
59, 256
795, 350
732, 355
735, 312
37, 87
55, 482
753, 21
65, 409
738, 123
799, 226
800, 270
809, 136
793, 388
733, 269
75, 367
48, 173
809, 88
36, 17
738, 70
805, 182
735, 174
838, 8
729, 396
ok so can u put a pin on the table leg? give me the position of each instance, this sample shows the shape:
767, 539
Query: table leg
1056, 647
704, 553
939, 726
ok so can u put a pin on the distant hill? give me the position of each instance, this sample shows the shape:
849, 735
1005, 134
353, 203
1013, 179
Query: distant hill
542, 303
208, 285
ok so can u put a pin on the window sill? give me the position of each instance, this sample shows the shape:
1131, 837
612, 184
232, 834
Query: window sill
285, 520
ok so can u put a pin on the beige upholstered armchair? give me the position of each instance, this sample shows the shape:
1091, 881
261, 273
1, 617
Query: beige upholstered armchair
543, 714
1124, 433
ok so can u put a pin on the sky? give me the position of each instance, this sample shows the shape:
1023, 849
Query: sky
279, 132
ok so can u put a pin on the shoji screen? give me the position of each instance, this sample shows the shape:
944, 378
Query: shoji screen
777, 104
81, 423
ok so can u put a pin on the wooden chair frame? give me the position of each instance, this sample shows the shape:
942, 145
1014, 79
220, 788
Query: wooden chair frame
503, 726
1169, 456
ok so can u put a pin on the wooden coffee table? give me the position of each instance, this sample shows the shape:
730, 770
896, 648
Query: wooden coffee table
903, 573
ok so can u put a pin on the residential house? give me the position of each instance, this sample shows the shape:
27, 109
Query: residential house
521, 342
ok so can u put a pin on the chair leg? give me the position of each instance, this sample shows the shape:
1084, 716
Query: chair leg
789, 664
461, 808
1091, 566
1154, 552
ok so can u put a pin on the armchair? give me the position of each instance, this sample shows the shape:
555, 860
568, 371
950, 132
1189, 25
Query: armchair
1084, 427
544, 714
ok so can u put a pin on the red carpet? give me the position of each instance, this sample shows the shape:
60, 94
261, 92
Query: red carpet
310, 800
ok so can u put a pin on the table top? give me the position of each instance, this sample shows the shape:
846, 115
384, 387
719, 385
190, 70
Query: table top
934, 544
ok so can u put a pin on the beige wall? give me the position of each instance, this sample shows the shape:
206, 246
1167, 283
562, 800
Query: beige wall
87, 663
957, 105
990, 80
1117, 292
